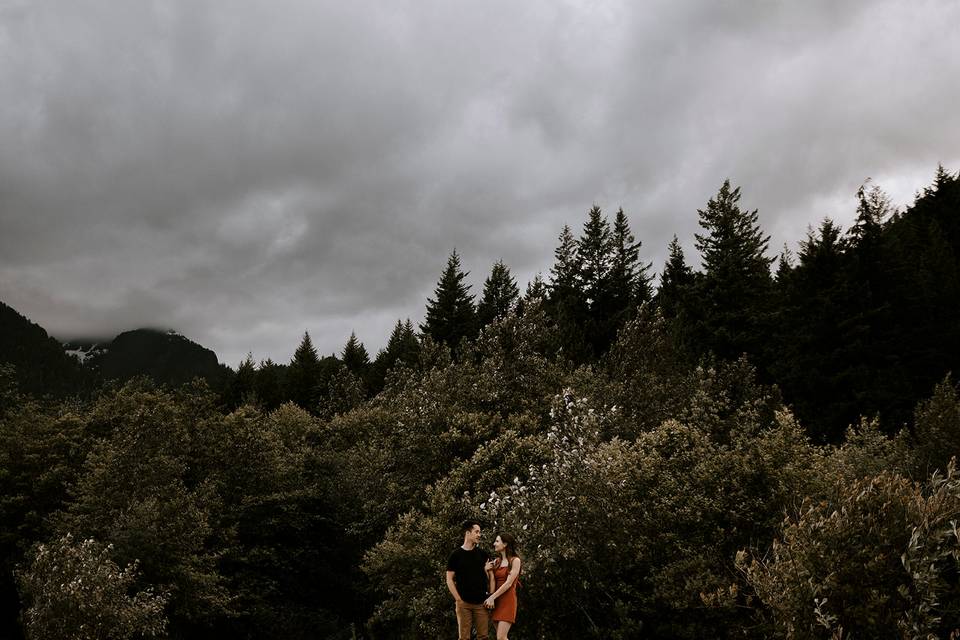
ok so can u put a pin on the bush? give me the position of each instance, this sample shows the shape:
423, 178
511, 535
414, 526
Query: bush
879, 561
74, 590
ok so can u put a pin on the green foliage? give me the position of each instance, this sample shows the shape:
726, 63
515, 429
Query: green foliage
629, 444
408, 565
345, 391
269, 385
936, 433
231, 515
243, 386
142, 491
875, 562
402, 350
566, 302
42, 450
75, 590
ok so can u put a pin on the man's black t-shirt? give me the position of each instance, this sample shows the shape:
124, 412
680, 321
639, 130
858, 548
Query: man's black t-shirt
468, 574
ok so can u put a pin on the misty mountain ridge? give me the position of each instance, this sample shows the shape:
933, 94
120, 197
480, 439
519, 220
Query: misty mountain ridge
165, 356
47, 366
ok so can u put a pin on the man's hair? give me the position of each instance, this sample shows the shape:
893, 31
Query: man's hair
468, 525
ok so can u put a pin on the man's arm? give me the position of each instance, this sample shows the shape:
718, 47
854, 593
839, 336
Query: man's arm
452, 587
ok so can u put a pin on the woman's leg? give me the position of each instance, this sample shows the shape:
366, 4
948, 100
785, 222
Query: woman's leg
503, 628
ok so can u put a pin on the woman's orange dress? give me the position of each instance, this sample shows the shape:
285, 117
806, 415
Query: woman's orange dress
505, 606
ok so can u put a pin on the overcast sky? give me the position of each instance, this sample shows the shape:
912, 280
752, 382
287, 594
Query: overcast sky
245, 171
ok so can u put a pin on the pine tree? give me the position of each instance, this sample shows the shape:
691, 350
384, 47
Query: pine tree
408, 346
784, 264
304, 375
536, 293
500, 295
270, 383
536, 289
594, 253
629, 279
402, 348
812, 335
355, 357
566, 304
736, 282
243, 387
676, 282
565, 272
451, 316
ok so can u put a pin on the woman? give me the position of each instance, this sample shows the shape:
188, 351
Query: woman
503, 572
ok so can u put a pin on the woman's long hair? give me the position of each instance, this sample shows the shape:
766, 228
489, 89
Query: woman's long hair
511, 545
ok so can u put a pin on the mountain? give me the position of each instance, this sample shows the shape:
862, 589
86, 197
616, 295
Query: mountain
42, 366
165, 356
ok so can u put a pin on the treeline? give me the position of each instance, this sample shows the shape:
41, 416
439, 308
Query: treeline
861, 321
632, 437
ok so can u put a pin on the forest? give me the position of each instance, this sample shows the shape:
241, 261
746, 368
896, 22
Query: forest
754, 447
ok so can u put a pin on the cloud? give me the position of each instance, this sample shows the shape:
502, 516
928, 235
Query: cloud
243, 173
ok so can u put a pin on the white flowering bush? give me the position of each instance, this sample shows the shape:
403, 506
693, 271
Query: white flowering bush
73, 589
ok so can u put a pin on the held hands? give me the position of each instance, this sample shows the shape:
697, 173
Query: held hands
488, 603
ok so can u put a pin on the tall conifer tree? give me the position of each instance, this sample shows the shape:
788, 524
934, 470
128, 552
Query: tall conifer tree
629, 280
500, 294
402, 348
451, 316
566, 303
536, 293
736, 282
304, 375
594, 257
676, 282
355, 357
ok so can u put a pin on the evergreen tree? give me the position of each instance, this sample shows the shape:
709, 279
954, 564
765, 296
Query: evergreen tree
270, 384
407, 346
243, 386
628, 284
736, 282
500, 295
784, 264
676, 282
451, 316
566, 304
629, 279
355, 357
565, 272
594, 258
536, 289
304, 375
402, 348
811, 339
536, 292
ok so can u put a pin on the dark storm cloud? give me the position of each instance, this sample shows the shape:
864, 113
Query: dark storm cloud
245, 172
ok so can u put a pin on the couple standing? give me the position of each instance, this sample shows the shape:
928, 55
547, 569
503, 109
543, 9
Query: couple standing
484, 588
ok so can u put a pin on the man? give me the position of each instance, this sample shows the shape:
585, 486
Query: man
467, 582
